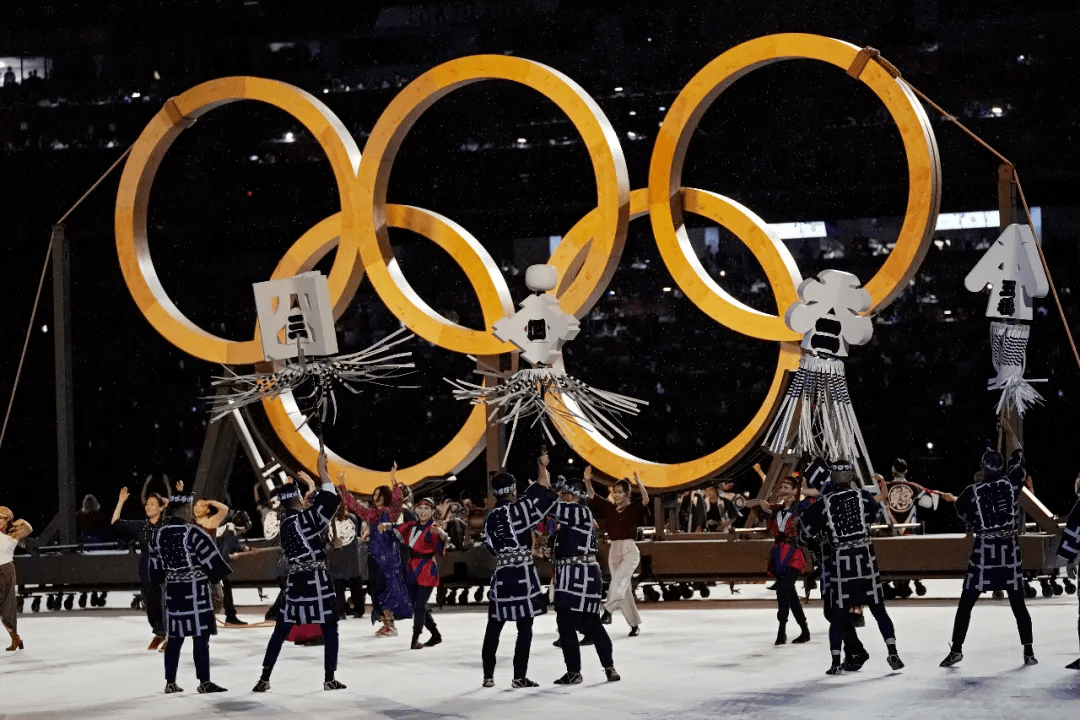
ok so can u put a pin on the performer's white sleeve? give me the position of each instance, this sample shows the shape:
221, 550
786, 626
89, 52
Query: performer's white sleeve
929, 500
328, 487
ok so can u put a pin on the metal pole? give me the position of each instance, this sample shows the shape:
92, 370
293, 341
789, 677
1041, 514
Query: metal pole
1006, 192
65, 425
495, 434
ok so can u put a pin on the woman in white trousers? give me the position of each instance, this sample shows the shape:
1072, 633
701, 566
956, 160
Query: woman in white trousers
621, 518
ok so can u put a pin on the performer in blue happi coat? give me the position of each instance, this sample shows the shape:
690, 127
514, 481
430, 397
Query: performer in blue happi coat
515, 593
310, 597
817, 478
991, 508
186, 559
579, 583
1069, 549
841, 520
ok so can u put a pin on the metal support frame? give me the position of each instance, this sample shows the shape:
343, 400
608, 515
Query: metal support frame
64, 522
495, 434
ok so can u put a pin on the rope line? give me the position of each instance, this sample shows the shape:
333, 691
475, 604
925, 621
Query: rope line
869, 53
41, 283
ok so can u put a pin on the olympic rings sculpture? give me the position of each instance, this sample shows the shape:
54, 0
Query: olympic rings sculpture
586, 258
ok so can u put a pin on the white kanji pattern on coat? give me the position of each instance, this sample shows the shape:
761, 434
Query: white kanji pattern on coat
309, 591
579, 584
515, 590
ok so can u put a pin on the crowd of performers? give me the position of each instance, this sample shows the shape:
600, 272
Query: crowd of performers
823, 514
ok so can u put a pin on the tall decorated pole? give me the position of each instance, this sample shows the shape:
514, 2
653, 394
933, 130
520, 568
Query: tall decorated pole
1013, 273
816, 417
544, 391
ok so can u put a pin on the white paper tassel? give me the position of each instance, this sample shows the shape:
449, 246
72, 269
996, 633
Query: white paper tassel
374, 364
827, 426
1008, 349
523, 396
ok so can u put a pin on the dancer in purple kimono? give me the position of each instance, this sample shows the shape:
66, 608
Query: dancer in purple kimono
389, 597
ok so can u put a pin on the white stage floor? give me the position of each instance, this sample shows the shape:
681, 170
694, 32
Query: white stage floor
714, 660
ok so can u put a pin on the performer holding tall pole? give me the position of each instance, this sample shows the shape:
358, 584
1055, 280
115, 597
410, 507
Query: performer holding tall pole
515, 592
186, 559
842, 519
991, 507
310, 597
621, 519
578, 583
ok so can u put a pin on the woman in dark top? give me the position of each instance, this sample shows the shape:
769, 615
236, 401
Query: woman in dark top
142, 533
621, 518
93, 528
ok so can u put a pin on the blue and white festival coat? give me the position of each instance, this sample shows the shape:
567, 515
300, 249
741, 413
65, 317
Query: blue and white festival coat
578, 579
309, 591
841, 521
515, 585
992, 508
1069, 549
186, 559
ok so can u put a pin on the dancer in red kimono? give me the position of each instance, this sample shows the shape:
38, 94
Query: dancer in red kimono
426, 541
786, 559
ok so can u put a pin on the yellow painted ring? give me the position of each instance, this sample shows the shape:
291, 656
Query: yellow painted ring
132, 204
665, 177
283, 412
607, 232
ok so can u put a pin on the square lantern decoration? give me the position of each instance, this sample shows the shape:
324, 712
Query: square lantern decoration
294, 315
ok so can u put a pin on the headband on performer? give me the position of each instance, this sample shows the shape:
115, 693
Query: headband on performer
181, 499
842, 466
573, 486
503, 483
425, 501
285, 493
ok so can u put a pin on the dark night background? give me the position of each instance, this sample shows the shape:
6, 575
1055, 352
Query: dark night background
794, 141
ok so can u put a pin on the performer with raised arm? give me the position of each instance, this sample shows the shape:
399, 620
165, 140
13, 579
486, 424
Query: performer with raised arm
515, 593
841, 518
142, 532
12, 532
310, 597
786, 560
578, 583
389, 595
185, 558
425, 541
621, 519
1069, 549
991, 508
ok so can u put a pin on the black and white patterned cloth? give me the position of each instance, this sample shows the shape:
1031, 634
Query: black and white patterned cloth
579, 580
840, 521
515, 590
186, 559
992, 509
1069, 549
309, 591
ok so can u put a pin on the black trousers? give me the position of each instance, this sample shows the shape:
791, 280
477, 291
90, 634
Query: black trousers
568, 622
968, 599
421, 618
200, 650
787, 598
227, 598
354, 586
839, 618
154, 602
277, 639
521, 647
852, 644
